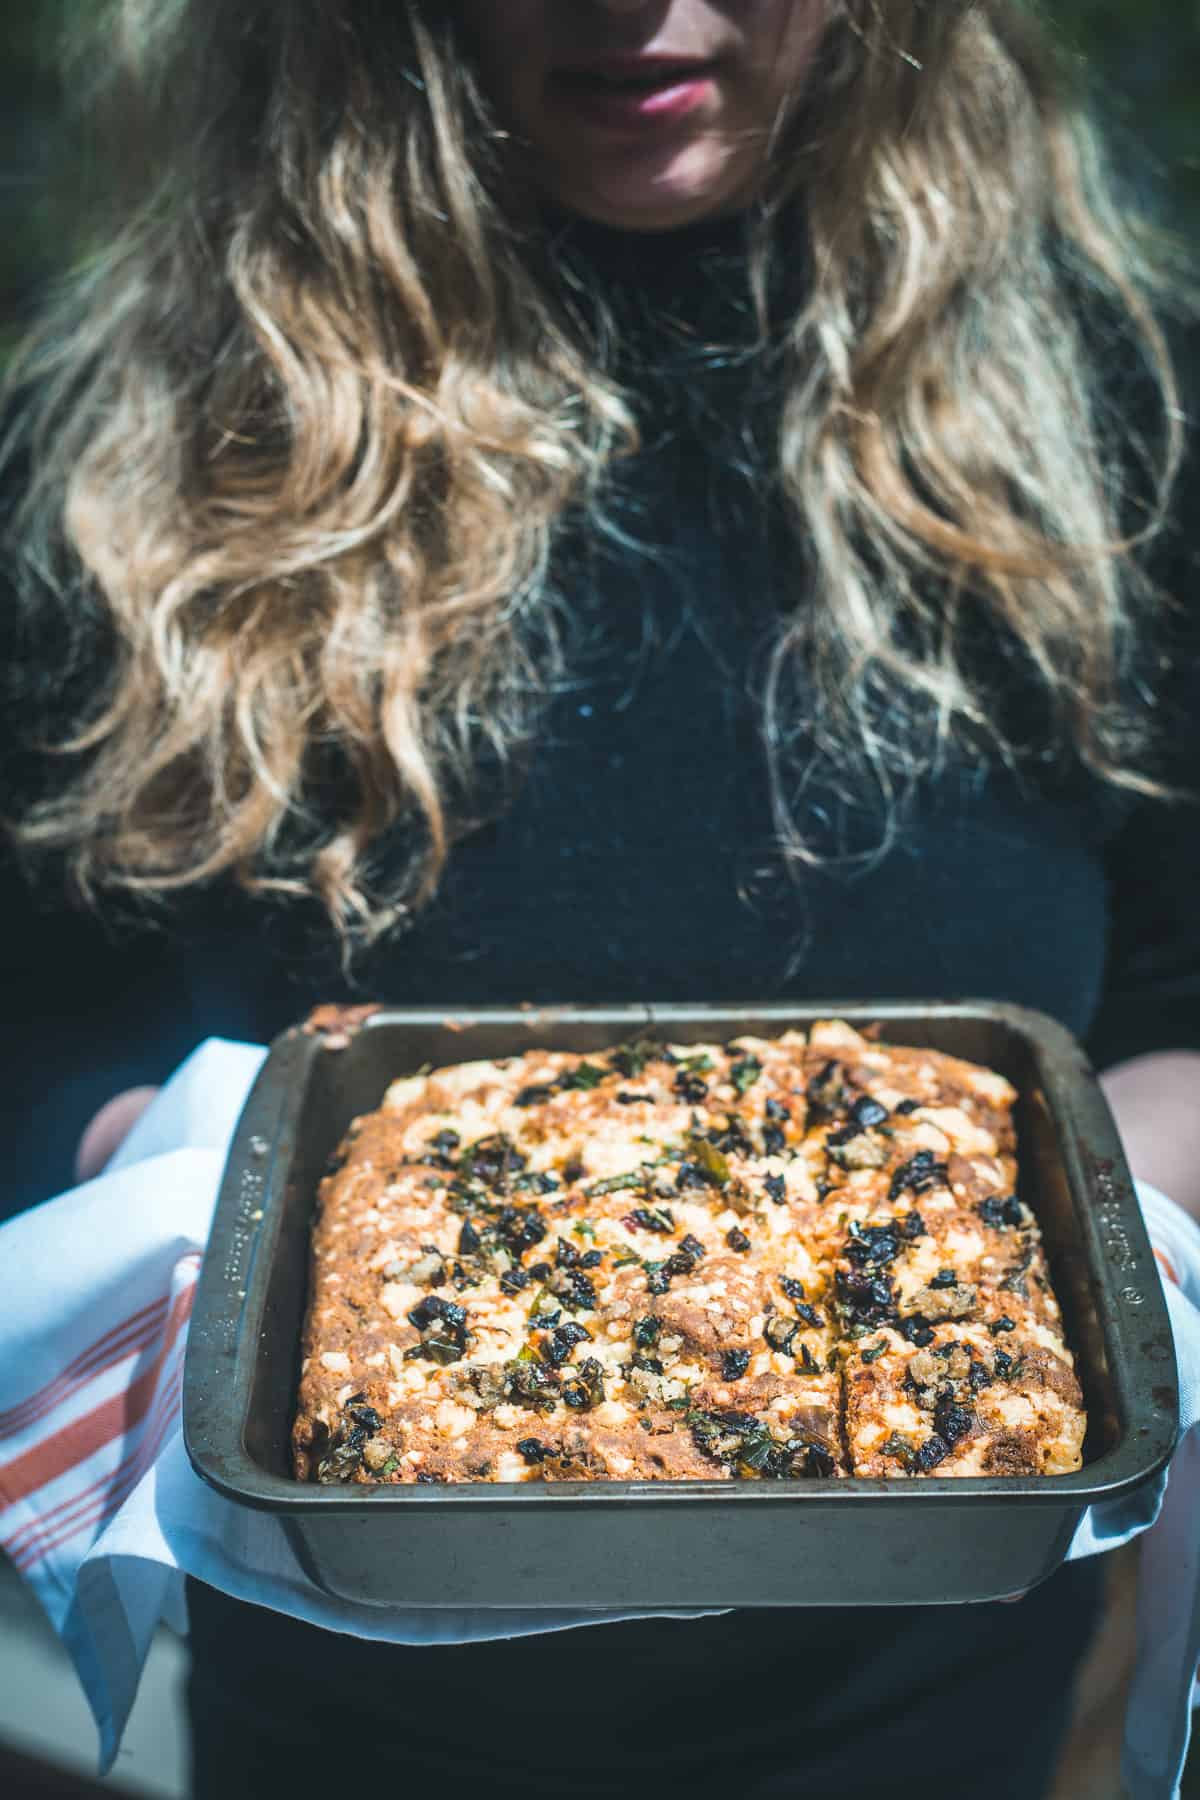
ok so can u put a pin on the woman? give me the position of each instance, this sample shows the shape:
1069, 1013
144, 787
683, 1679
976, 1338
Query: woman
577, 528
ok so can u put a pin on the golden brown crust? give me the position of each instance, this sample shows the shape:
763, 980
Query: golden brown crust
800, 1257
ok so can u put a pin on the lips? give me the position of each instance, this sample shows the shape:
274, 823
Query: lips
625, 74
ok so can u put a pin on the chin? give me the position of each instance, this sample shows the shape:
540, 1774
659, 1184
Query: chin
656, 211
682, 195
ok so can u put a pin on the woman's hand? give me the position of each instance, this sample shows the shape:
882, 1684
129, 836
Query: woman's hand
1156, 1103
108, 1130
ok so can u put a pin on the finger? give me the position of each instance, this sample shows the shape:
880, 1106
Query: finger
109, 1129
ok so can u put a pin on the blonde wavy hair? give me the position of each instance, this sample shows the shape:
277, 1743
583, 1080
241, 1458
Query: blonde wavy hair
304, 427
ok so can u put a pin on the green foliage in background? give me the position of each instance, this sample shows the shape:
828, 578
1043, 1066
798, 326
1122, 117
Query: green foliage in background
1143, 57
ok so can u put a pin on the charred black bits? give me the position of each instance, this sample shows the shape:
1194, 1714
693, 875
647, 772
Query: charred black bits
691, 1175
1004, 1324
521, 1227
933, 1451
734, 1364
563, 1341
591, 1259
826, 1092
652, 1218
631, 1059
792, 1288
691, 1246
344, 1456
912, 1225
690, 1087
744, 1444
469, 1240
513, 1281
907, 1106
809, 1314
920, 1173
952, 1421
533, 1451
566, 1256
872, 1246
917, 1330
774, 1142
779, 1332
537, 1181
776, 1111
945, 1278
776, 1188
587, 1390
866, 1299
745, 1073
533, 1096
645, 1332
867, 1112
1002, 1214
364, 1416
434, 1307
737, 1240
443, 1328
732, 1138
531, 1383
492, 1160
574, 1287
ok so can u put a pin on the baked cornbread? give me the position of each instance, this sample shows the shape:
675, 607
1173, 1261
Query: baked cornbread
801, 1258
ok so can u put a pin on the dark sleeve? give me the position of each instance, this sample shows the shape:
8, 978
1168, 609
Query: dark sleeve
89, 1008
1151, 997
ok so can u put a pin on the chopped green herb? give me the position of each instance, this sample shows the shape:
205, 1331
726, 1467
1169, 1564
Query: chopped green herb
631, 1059
745, 1073
707, 1157
901, 1448
652, 1218
587, 1075
696, 1065
626, 1262
615, 1184
392, 1463
875, 1352
585, 1229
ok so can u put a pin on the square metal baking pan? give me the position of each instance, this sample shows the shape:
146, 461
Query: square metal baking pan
670, 1543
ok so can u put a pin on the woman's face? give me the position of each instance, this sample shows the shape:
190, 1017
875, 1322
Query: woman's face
641, 147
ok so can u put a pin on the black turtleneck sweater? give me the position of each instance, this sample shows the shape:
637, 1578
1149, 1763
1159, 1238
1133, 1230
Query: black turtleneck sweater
636, 860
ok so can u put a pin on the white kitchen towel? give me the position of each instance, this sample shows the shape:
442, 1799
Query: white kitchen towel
102, 1513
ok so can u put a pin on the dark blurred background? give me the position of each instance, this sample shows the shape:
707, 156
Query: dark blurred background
1144, 56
